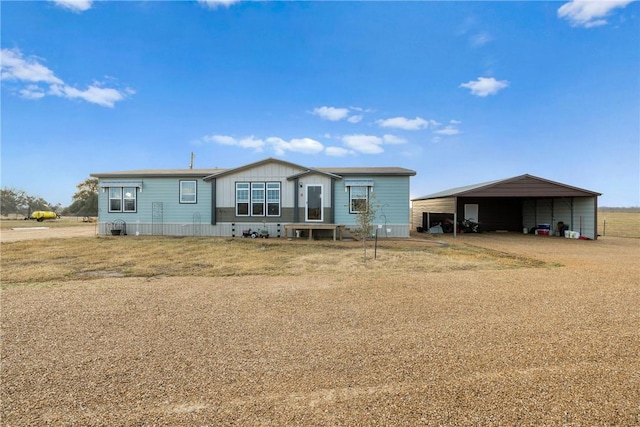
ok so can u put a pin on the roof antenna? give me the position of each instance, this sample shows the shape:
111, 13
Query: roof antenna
191, 164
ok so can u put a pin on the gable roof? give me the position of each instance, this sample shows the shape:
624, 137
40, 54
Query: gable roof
518, 186
144, 173
303, 169
335, 173
210, 174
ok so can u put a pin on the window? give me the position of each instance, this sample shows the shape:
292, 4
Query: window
273, 199
242, 199
357, 199
122, 199
257, 199
188, 191
129, 198
115, 199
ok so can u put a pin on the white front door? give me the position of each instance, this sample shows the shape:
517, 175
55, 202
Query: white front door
314, 203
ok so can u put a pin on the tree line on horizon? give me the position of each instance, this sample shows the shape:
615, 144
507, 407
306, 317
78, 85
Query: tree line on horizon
18, 202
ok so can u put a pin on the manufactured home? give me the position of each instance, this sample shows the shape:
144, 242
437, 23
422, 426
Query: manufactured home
275, 197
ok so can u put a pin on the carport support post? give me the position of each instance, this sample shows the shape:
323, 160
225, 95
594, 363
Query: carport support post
455, 225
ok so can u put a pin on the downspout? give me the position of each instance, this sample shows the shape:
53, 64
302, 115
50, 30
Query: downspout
213, 201
332, 216
296, 215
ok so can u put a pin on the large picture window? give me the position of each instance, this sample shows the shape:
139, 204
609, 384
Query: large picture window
188, 192
258, 199
358, 197
122, 199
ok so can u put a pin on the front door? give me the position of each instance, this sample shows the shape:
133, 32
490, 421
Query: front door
314, 203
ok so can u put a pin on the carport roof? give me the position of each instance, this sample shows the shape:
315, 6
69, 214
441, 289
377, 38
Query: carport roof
518, 186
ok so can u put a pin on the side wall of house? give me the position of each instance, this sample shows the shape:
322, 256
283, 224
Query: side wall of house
390, 197
158, 202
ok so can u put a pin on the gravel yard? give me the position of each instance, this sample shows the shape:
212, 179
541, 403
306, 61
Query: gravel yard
550, 345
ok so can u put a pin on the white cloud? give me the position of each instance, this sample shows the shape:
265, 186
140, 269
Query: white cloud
448, 130
296, 145
454, 122
279, 145
588, 13
220, 139
251, 142
485, 86
95, 94
367, 144
336, 114
331, 113
32, 92
337, 151
75, 5
392, 139
406, 124
14, 67
214, 4
248, 142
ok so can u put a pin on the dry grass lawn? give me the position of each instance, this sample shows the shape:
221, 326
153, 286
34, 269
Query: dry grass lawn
619, 222
493, 329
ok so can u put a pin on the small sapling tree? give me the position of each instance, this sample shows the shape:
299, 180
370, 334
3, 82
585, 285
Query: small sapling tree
365, 217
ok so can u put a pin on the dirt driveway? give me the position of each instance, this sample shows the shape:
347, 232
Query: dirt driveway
17, 233
556, 345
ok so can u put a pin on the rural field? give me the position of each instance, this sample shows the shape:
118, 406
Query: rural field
487, 329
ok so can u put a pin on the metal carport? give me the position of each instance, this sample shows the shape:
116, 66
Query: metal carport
513, 204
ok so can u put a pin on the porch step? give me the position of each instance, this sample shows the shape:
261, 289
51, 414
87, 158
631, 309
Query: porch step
348, 233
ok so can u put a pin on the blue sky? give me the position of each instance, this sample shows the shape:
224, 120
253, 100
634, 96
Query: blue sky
460, 92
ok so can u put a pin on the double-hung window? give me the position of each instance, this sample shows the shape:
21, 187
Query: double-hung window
358, 196
273, 199
242, 199
258, 199
122, 199
188, 192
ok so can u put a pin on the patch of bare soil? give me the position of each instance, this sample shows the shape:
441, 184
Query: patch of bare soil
523, 346
18, 233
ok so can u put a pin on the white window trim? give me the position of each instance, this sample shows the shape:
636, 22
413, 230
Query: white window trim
122, 199
267, 202
248, 202
195, 194
366, 198
265, 198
